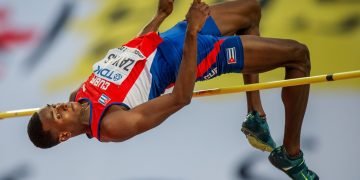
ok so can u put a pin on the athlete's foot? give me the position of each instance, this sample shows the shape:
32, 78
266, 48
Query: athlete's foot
294, 167
257, 132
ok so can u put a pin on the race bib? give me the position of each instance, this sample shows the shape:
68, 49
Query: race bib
117, 64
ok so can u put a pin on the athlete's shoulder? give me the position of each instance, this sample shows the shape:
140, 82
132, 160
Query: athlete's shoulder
115, 125
149, 38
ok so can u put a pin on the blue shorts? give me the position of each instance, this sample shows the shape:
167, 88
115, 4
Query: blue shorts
216, 55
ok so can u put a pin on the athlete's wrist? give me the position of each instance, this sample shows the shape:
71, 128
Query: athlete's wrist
161, 15
193, 27
192, 31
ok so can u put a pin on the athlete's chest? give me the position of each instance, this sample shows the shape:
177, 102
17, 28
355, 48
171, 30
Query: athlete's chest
106, 134
117, 65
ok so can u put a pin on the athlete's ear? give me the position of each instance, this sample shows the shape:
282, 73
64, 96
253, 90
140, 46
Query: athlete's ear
63, 136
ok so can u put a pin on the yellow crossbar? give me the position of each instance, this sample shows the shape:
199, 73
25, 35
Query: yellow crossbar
228, 90
282, 83
18, 113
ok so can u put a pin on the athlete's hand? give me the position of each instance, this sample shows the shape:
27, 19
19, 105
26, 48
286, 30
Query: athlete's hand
197, 15
165, 7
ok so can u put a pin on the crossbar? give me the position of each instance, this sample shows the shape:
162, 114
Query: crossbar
236, 89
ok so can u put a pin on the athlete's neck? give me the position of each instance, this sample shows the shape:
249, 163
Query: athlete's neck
85, 116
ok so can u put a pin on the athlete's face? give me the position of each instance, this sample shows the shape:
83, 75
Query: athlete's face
59, 118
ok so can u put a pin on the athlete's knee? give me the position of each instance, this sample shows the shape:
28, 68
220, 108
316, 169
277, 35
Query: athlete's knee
255, 9
251, 14
304, 56
301, 57
307, 58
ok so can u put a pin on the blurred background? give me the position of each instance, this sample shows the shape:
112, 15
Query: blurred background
48, 47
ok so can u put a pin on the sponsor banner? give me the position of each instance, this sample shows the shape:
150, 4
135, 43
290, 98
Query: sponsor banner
117, 64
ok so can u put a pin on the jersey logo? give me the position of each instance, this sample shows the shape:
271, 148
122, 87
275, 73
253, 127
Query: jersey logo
211, 74
231, 55
104, 99
117, 64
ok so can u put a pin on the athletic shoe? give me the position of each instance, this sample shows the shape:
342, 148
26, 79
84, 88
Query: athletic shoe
257, 132
295, 167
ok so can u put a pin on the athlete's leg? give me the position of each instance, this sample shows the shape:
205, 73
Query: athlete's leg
253, 97
241, 17
264, 54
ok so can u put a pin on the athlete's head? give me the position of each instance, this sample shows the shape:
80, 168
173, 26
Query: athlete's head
54, 124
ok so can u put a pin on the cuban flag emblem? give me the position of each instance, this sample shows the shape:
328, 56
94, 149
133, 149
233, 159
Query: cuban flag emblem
104, 99
231, 55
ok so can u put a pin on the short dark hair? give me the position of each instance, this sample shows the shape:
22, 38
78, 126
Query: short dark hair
39, 137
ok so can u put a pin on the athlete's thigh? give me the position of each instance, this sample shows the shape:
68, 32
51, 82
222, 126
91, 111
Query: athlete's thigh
233, 16
218, 55
264, 54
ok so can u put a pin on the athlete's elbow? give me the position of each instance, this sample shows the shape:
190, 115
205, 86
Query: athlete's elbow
184, 103
180, 99
184, 100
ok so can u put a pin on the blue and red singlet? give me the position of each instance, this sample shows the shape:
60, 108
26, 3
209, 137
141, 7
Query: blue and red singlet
146, 67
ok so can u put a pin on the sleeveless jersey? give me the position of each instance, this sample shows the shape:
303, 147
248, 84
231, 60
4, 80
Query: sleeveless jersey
122, 77
147, 67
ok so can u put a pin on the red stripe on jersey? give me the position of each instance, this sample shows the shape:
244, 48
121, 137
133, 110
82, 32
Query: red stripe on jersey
170, 85
209, 60
147, 44
121, 92
130, 80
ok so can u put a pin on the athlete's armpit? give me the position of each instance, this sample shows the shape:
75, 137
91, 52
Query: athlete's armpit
73, 95
121, 125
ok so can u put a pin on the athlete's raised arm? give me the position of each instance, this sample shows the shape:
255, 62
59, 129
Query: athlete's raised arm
121, 125
165, 8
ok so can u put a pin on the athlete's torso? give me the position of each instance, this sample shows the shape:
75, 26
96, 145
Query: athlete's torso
147, 66
122, 77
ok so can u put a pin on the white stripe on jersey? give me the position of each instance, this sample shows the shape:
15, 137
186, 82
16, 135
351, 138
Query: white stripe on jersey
139, 92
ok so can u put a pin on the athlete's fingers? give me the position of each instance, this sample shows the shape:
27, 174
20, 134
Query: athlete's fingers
205, 8
203, 4
196, 1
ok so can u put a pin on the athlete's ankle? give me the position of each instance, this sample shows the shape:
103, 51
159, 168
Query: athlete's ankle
260, 112
292, 153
